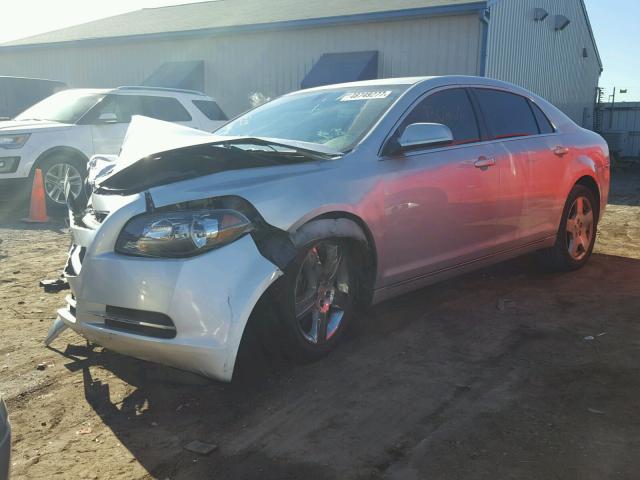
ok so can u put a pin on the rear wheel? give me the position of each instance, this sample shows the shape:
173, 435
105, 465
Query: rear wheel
577, 233
316, 300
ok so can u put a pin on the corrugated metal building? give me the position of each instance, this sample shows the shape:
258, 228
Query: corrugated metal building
620, 125
242, 47
556, 60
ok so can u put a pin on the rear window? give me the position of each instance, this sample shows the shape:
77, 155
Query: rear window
507, 115
210, 109
544, 125
164, 108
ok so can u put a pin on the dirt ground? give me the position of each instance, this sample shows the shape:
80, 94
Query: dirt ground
509, 372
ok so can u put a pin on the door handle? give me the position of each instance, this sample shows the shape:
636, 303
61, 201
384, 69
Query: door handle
560, 151
485, 162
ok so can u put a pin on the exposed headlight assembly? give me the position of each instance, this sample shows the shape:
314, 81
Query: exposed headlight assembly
14, 141
181, 233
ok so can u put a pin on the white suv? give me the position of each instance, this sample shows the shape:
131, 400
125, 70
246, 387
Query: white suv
60, 133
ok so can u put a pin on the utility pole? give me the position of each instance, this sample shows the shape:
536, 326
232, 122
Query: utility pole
613, 104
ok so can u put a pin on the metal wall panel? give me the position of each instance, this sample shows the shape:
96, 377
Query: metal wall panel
622, 130
548, 62
271, 63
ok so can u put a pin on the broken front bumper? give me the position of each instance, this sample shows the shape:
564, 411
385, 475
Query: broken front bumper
187, 313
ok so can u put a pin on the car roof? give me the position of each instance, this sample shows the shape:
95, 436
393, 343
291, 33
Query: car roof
372, 83
132, 90
433, 80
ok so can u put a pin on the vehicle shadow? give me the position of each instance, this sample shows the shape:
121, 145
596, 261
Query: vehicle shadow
167, 409
415, 366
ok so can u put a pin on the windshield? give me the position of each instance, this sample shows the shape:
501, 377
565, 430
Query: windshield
337, 118
64, 107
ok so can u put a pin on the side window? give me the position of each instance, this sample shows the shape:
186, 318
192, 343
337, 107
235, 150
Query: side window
128, 106
507, 115
544, 125
210, 109
109, 104
164, 108
451, 108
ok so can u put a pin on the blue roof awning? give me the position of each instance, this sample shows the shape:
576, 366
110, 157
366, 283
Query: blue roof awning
342, 67
186, 75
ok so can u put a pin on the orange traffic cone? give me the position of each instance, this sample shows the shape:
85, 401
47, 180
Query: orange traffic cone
38, 209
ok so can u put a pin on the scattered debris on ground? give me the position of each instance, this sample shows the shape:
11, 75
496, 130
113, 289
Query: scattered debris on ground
200, 448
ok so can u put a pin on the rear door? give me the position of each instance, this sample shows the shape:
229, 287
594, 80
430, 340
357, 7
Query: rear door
529, 167
439, 207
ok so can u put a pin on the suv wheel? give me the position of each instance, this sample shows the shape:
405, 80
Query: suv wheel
56, 171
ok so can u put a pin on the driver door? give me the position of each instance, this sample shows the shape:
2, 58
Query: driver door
440, 202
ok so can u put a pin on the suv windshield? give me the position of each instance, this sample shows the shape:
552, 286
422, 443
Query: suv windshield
64, 107
337, 118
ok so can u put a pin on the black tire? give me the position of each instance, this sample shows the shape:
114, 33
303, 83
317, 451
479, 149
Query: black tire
299, 343
558, 258
48, 165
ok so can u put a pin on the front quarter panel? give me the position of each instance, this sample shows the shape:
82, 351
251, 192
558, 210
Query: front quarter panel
209, 297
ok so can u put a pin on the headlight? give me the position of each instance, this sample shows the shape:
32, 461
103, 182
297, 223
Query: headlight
182, 233
14, 141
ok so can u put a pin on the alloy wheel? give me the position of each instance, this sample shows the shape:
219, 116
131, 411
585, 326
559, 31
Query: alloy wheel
580, 228
55, 180
322, 292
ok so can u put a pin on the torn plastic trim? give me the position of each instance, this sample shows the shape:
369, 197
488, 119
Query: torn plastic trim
57, 327
148, 201
339, 225
323, 227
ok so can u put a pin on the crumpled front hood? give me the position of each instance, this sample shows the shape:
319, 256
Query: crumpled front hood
157, 153
30, 126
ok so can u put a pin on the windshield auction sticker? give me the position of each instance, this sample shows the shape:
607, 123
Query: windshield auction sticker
371, 95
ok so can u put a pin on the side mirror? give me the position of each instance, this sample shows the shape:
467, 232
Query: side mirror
108, 117
425, 135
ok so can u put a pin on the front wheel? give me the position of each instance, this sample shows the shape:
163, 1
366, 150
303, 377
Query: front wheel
577, 233
316, 300
57, 171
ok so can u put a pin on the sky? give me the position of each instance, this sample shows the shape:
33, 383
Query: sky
615, 24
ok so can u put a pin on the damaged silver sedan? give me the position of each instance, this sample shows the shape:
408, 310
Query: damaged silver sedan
319, 202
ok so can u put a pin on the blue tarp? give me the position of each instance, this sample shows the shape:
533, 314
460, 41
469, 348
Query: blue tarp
342, 67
